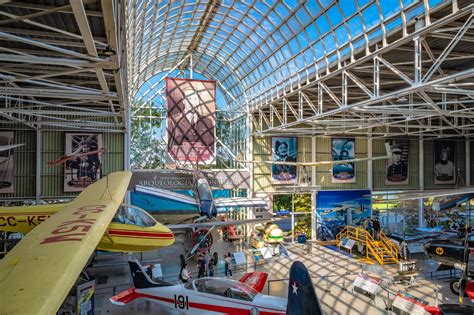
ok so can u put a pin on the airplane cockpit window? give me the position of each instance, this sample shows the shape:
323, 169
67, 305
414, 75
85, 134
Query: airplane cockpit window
203, 190
132, 216
227, 288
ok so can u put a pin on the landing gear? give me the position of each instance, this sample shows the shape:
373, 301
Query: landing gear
455, 286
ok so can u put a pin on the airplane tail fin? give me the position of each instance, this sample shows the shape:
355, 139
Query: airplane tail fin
302, 299
141, 279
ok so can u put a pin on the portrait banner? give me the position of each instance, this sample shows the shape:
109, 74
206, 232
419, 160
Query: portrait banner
397, 165
444, 167
343, 149
284, 149
6, 164
85, 298
191, 120
84, 160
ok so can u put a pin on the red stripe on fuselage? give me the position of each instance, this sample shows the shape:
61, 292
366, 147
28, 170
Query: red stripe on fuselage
216, 308
140, 233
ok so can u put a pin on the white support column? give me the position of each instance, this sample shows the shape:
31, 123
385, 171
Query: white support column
38, 166
468, 162
314, 193
191, 66
421, 175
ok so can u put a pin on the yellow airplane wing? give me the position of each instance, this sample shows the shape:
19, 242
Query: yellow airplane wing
36, 276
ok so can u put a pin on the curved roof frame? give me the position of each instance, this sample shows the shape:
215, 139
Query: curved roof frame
262, 47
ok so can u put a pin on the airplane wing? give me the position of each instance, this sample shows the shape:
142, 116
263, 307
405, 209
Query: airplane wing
177, 227
240, 202
36, 276
410, 195
166, 194
10, 146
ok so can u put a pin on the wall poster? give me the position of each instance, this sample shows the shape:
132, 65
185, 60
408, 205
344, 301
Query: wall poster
284, 149
6, 164
343, 149
444, 167
397, 164
191, 120
84, 160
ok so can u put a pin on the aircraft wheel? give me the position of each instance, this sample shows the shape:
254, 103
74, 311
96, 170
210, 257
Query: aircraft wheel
454, 286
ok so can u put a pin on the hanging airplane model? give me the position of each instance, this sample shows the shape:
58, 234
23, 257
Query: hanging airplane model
10, 146
224, 296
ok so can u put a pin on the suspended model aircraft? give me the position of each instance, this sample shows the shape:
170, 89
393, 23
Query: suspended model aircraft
37, 274
321, 163
10, 146
224, 296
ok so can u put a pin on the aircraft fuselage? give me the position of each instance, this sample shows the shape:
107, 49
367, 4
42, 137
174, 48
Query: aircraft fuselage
447, 252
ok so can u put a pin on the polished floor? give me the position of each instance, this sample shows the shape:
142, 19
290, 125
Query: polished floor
333, 271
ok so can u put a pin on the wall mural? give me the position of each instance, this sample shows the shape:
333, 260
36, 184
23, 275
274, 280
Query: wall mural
337, 208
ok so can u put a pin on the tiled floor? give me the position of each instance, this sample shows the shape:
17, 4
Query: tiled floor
333, 274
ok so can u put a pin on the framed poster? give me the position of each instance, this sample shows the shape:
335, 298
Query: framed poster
85, 298
397, 165
343, 149
444, 167
284, 149
84, 163
191, 120
6, 164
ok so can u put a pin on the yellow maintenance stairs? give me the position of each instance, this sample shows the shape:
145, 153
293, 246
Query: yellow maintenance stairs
383, 251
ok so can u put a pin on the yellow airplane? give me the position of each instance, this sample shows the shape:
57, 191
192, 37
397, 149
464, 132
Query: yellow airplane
37, 274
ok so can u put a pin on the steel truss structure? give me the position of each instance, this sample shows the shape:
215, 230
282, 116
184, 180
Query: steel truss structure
61, 65
416, 81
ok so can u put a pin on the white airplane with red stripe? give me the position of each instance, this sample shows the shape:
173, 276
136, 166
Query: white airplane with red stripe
220, 295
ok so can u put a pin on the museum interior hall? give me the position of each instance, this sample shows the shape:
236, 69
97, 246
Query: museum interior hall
236, 157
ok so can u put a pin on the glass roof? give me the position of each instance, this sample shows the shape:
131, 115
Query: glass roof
254, 47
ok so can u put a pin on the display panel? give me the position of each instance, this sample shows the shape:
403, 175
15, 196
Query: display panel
445, 168
84, 163
343, 149
191, 120
6, 164
284, 149
397, 165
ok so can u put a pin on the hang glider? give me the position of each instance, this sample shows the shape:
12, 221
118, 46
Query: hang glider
10, 146
322, 163
36, 276
418, 194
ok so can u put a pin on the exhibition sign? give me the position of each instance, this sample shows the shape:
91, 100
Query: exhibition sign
367, 284
343, 149
84, 164
408, 303
85, 298
284, 149
191, 120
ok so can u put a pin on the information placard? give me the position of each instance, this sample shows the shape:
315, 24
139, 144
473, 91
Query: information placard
408, 303
415, 248
266, 252
239, 258
347, 243
367, 284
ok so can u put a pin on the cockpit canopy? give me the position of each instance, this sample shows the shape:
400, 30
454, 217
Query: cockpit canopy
133, 216
223, 287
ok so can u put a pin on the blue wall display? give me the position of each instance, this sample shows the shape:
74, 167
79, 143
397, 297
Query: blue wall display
337, 208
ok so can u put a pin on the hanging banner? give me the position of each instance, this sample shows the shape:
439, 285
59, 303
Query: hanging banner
83, 156
6, 164
191, 120
397, 165
343, 149
284, 149
444, 169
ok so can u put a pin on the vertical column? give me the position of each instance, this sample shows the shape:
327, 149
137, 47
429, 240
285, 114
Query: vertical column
468, 162
376, 77
313, 192
292, 218
38, 165
421, 175
370, 165
191, 66
418, 74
